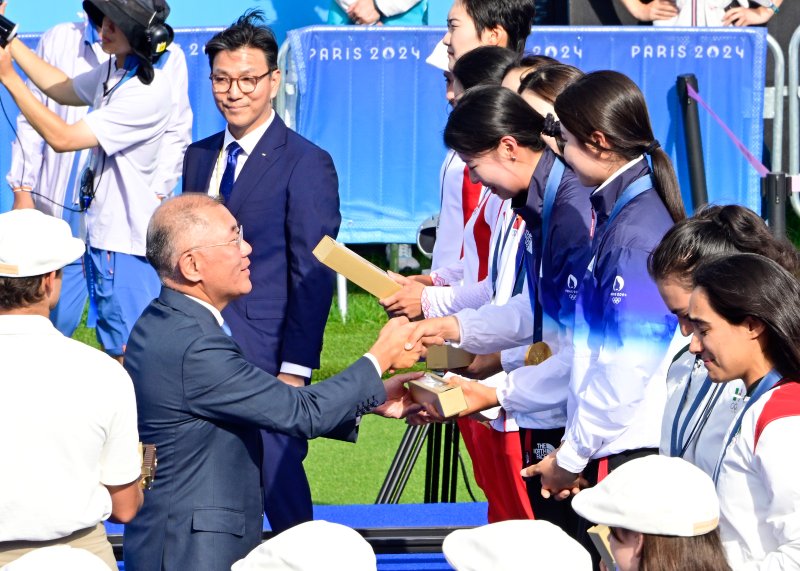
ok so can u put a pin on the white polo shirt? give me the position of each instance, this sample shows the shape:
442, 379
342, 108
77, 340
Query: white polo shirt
129, 122
67, 427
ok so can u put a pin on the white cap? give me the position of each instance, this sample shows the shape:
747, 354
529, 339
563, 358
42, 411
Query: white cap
513, 545
654, 494
311, 546
57, 558
33, 243
438, 57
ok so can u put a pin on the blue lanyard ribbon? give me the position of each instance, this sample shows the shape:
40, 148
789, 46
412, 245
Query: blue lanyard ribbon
768, 382
676, 441
499, 245
634, 189
550, 192
532, 260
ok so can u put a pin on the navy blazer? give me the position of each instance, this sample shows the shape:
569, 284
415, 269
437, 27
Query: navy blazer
202, 404
287, 198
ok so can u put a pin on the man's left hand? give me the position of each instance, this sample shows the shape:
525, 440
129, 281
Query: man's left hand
292, 380
407, 302
398, 398
364, 12
557, 482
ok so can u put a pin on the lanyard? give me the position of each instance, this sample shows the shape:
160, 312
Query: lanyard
499, 246
677, 448
770, 380
634, 189
550, 192
530, 258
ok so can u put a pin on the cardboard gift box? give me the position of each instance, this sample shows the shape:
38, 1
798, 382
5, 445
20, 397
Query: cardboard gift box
445, 357
361, 272
432, 389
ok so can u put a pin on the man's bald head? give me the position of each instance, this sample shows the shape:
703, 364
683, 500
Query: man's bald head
175, 227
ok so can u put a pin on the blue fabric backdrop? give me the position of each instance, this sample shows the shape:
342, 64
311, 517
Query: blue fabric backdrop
367, 96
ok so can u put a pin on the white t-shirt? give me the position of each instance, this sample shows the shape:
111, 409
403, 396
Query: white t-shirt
129, 121
67, 427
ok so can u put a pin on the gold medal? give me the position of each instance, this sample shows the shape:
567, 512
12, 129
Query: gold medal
537, 353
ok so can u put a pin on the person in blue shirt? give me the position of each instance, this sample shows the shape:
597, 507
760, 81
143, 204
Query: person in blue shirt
498, 135
622, 327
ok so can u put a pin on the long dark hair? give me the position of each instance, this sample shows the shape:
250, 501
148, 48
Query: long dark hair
739, 286
485, 65
714, 231
670, 553
486, 114
549, 81
611, 103
530, 62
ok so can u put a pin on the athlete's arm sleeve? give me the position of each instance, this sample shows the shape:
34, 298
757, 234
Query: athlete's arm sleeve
492, 328
779, 466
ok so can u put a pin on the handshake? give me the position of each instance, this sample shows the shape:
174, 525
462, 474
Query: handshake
400, 345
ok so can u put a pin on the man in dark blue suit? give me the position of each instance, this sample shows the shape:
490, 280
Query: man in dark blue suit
284, 190
201, 402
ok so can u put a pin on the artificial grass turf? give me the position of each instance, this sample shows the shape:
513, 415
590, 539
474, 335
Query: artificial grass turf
346, 473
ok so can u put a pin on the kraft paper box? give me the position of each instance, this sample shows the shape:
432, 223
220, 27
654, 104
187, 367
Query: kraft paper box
432, 389
442, 357
599, 536
361, 272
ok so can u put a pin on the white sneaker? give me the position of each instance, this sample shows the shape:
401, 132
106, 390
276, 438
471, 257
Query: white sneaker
405, 258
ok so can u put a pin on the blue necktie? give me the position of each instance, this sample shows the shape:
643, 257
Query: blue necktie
226, 329
226, 186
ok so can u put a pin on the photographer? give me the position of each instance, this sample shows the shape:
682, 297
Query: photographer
130, 98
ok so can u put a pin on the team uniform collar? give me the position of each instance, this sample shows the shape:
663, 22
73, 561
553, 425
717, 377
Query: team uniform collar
607, 194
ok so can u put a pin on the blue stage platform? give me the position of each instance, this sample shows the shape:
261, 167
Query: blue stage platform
405, 537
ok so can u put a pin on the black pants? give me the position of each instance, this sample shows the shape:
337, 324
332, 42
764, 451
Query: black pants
536, 444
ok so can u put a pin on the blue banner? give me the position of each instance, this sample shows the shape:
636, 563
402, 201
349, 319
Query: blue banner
367, 96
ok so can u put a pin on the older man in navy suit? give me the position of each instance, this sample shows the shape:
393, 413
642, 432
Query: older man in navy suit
283, 189
201, 402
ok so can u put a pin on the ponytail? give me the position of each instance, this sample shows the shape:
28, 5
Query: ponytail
667, 184
611, 103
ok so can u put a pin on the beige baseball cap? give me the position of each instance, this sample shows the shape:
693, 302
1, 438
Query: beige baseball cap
655, 494
33, 243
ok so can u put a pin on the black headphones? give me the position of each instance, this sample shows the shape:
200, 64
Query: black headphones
158, 35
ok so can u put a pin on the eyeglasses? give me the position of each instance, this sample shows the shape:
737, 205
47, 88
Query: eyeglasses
246, 84
236, 241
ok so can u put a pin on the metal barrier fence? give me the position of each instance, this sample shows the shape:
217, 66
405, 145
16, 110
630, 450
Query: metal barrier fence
794, 118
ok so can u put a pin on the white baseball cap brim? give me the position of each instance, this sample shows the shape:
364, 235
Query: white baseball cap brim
33, 243
656, 495
509, 545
